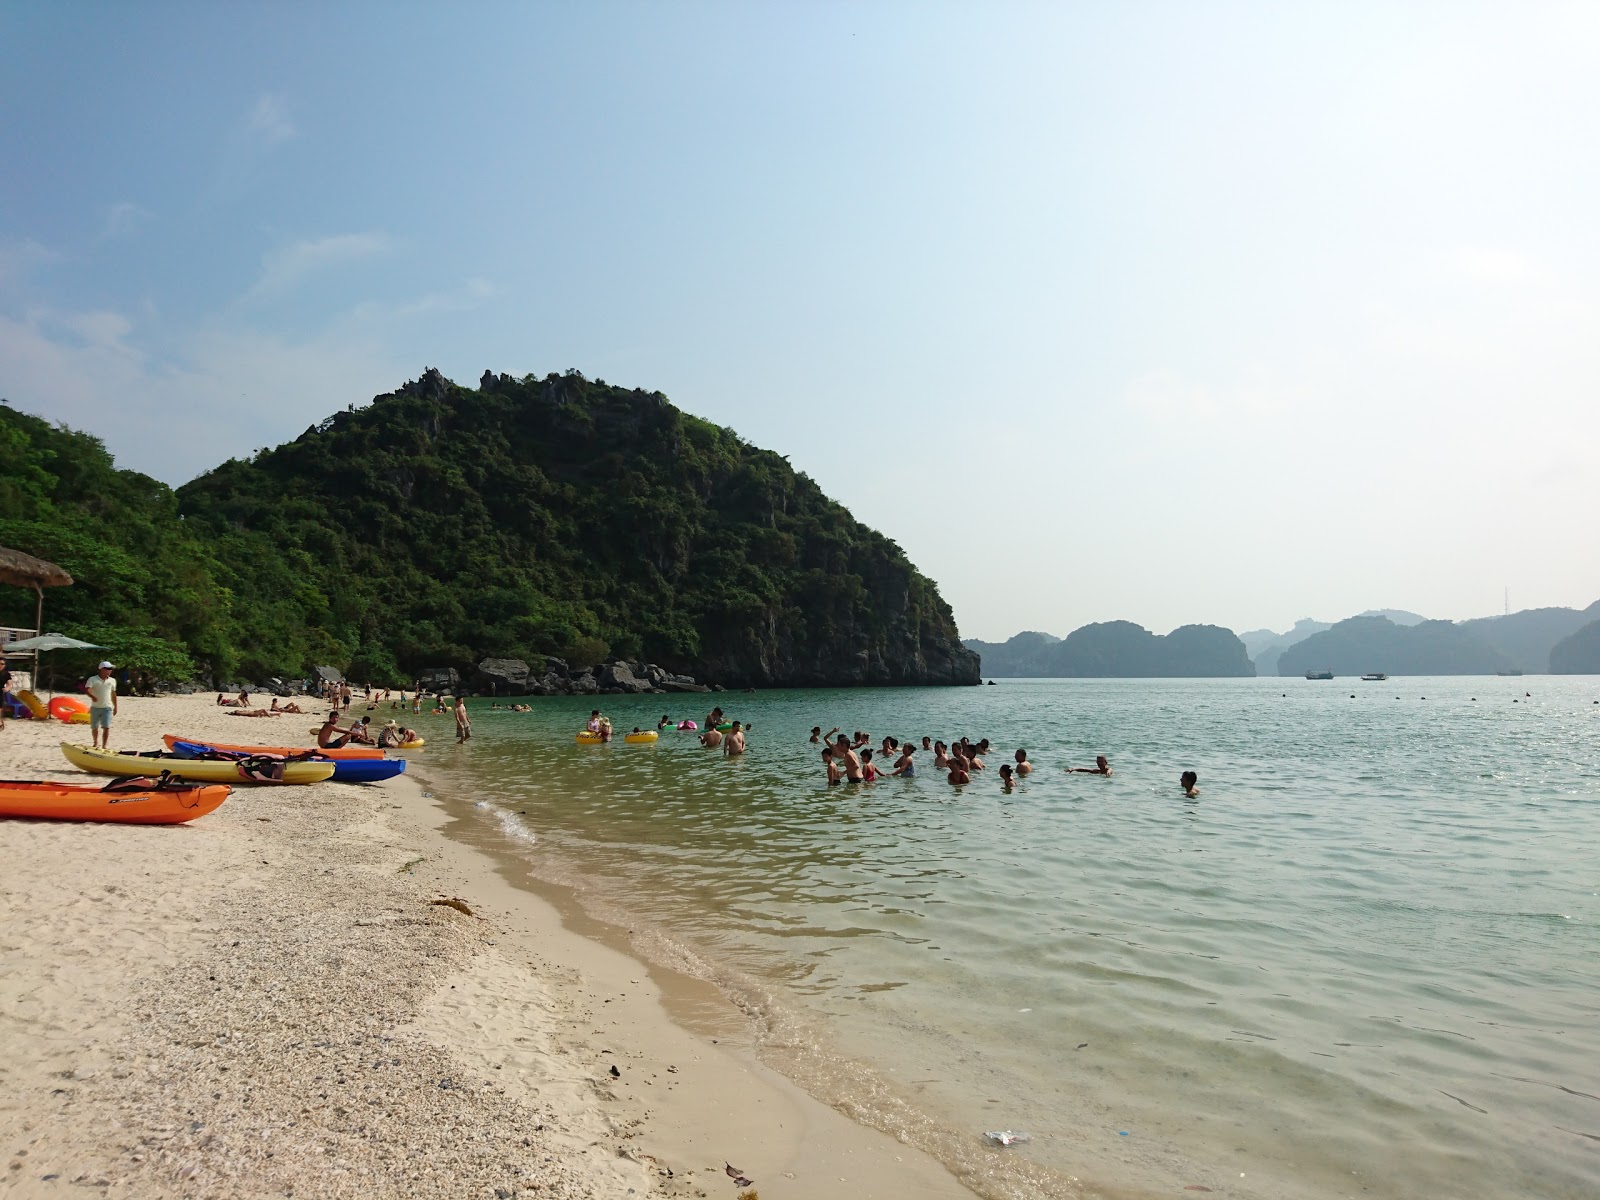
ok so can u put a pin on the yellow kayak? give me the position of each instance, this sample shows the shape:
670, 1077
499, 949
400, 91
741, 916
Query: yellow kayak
103, 762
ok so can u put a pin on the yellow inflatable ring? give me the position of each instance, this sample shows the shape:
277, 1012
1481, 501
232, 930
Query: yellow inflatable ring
647, 736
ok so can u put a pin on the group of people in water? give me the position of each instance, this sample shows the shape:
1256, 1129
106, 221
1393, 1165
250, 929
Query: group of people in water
848, 759
730, 741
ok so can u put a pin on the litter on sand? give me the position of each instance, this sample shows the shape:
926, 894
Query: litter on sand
1006, 1137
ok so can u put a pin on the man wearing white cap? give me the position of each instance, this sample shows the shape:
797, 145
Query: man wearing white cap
102, 691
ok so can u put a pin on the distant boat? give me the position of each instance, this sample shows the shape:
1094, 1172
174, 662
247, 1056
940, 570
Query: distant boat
1319, 674
1374, 677
1513, 671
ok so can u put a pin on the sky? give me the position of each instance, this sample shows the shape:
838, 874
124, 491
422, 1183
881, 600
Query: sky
1166, 312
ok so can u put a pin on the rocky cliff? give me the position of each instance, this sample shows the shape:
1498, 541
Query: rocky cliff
1119, 650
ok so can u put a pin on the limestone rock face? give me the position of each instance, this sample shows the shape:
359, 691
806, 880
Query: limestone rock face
501, 677
443, 681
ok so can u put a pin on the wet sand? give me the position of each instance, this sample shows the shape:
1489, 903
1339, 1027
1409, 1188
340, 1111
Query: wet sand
269, 1002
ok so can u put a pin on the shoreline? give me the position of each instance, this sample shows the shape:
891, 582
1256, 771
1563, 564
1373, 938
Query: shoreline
268, 1002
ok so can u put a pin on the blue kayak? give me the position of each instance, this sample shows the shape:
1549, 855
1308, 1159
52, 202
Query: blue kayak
345, 770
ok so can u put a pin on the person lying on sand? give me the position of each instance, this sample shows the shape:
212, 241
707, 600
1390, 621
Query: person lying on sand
1102, 766
255, 712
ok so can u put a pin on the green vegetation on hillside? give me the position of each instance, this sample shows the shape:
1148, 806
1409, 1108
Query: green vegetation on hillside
145, 587
440, 525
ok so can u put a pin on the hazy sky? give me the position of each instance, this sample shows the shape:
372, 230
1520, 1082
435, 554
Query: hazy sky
1161, 311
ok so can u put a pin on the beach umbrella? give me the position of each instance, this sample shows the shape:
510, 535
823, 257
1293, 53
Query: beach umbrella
49, 641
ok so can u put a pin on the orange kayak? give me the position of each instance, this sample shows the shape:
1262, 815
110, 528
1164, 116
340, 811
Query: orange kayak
347, 752
137, 804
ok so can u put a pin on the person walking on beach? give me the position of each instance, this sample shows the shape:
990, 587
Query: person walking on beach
463, 722
102, 689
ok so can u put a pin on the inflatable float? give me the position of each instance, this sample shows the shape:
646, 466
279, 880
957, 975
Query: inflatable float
589, 739
34, 705
646, 736
70, 710
691, 726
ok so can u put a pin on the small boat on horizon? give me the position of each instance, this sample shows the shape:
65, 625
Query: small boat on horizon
1319, 674
1374, 677
1513, 671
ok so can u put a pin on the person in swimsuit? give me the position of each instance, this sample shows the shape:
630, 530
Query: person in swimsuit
1187, 782
941, 761
958, 769
1024, 767
926, 743
846, 757
1006, 779
330, 736
816, 734
834, 775
593, 724
733, 744
1102, 766
711, 738
869, 769
904, 765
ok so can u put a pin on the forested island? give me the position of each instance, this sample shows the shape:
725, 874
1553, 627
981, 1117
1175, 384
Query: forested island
442, 525
1118, 649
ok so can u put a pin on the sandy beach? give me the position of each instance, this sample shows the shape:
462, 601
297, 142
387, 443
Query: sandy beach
271, 1002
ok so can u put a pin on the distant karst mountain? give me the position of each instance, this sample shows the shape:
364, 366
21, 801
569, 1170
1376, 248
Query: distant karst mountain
1529, 637
1363, 644
1264, 646
1578, 653
1118, 650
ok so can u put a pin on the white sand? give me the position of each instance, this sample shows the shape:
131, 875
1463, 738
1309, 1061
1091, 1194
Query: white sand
266, 1002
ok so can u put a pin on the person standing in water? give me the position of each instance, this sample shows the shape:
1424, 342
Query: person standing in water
711, 738
905, 765
1187, 782
733, 744
463, 722
834, 774
1024, 767
958, 768
847, 759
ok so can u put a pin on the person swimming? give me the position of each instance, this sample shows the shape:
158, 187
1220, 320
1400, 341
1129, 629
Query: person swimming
1187, 782
816, 734
1102, 766
664, 722
1024, 767
1006, 778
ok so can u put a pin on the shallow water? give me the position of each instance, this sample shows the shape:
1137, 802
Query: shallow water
1363, 962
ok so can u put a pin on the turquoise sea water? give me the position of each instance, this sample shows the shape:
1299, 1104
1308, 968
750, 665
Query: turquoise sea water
1364, 962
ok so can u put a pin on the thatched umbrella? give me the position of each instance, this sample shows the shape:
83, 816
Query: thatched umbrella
24, 570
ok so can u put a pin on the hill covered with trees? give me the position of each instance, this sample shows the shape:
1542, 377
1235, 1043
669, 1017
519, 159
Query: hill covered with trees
441, 525
1118, 650
1362, 644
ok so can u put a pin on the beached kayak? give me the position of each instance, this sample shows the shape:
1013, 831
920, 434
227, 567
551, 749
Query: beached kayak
345, 770
103, 762
130, 803
347, 752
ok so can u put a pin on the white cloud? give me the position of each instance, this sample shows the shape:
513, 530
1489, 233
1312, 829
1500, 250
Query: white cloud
122, 219
469, 295
285, 268
20, 257
1492, 264
221, 393
269, 119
